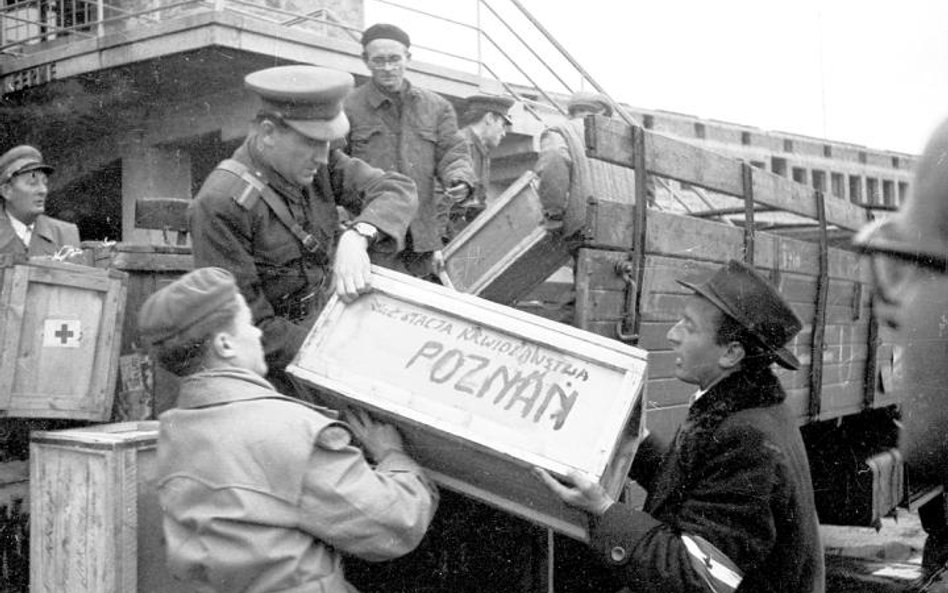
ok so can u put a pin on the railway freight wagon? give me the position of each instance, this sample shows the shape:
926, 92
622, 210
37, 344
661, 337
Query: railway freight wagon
661, 209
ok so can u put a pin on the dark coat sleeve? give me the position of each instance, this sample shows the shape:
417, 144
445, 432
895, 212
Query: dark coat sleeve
554, 168
728, 503
452, 155
648, 459
386, 200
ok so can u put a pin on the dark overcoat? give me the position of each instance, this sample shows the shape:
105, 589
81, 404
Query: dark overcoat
737, 477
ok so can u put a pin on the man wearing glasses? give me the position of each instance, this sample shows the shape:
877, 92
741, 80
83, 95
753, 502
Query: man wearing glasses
908, 252
399, 127
24, 228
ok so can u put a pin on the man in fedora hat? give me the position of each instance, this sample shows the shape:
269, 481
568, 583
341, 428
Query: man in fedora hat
261, 492
269, 213
397, 126
24, 227
908, 255
485, 120
730, 503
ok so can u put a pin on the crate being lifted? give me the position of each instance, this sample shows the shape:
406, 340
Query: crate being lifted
483, 392
60, 332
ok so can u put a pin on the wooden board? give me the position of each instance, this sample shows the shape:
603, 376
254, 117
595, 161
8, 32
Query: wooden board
483, 392
59, 339
95, 524
151, 390
507, 250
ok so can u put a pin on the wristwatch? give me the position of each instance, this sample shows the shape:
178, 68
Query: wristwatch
366, 230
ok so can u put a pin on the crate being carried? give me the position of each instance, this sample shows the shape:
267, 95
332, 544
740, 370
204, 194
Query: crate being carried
60, 332
483, 392
95, 524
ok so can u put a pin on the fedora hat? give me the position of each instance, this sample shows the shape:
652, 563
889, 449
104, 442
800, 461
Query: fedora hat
741, 292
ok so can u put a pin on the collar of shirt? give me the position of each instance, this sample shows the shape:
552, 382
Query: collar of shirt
23, 231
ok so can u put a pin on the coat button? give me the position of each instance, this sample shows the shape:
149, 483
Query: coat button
617, 553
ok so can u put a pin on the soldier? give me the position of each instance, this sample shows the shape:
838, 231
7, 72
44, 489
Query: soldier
261, 492
269, 216
908, 254
486, 120
399, 127
730, 503
24, 228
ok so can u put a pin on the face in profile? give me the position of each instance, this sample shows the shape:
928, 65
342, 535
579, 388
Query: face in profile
495, 130
245, 341
294, 156
694, 340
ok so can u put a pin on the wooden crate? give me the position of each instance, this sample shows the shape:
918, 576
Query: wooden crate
144, 389
95, 524
506, 251
482, 392
60, 326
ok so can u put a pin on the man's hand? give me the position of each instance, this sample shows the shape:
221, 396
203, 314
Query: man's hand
458, 191
437, 262
578, 491
377, 438
352, 270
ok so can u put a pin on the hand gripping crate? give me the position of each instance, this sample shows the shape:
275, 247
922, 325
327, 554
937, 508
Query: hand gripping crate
482, 392
95, 524
508, 249
60, 332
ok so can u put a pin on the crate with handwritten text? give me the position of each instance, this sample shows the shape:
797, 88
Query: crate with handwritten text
60, 331
482, 392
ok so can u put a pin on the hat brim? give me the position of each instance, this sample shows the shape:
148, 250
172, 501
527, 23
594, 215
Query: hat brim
321, 129
784, 357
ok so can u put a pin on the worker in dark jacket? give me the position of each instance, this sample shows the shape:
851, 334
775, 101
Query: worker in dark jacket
268, 215
730, 504
485, 120
400, 127
24, 228
908, 252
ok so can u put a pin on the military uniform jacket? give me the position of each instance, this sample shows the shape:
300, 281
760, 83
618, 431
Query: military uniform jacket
261, 493
734, 491
232, 227
421, 141
49, 235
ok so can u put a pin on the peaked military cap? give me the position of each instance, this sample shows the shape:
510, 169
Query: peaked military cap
591, 101
309, 99
476, 106
21, 159
385, 31
741, 292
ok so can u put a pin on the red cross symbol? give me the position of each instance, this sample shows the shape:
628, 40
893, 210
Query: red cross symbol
64, 333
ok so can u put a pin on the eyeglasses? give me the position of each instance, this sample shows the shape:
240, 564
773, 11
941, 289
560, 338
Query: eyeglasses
379, 62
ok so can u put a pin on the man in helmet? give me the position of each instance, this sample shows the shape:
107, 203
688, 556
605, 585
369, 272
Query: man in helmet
908, 254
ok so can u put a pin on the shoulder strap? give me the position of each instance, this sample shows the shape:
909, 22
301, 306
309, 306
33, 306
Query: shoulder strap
273, 201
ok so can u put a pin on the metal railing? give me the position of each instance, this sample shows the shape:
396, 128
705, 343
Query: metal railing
497, 39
